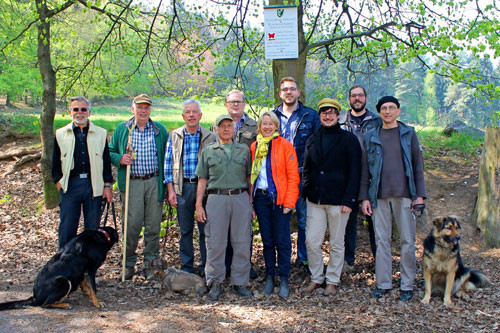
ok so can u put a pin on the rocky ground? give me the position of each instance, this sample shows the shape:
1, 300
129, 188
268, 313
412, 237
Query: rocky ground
28, 238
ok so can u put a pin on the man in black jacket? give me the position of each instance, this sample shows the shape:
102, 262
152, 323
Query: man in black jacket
332, 168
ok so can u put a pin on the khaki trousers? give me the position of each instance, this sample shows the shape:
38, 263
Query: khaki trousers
318, 217
400, 208
228, 213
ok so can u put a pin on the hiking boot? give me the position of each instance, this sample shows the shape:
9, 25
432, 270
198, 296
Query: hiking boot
331, 289
243, 291
378, 293
268, 288
215, 290
310, 287
253, 273
149, 274
405, 295
347, 268
129, 273
284, 289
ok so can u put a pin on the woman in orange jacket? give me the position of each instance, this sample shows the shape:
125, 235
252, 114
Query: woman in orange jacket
275, 189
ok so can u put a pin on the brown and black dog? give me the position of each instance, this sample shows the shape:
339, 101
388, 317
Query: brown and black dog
74, 265
444, 271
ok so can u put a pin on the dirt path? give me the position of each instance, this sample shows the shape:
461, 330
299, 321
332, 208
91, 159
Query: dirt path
28, 237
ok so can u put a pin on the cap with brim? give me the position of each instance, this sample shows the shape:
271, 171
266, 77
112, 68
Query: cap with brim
143, 98
386, 99
221, 118
329, 103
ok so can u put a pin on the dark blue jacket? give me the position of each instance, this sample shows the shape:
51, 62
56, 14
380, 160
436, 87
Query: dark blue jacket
307, 125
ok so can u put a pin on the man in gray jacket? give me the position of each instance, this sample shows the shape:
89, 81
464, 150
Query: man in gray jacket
183, 151
392, 181
358, 120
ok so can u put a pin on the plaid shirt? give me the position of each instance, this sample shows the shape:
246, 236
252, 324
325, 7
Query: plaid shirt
239, 124
189, 155
288, 126
143, 142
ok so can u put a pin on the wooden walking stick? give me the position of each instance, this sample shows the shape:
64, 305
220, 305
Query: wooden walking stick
125, 214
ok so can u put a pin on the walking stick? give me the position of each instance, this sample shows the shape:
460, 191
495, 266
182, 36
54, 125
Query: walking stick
125, 214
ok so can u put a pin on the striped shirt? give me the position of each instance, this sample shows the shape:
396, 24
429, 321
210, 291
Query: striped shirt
189, 155
143, 142
288, 126
238, 125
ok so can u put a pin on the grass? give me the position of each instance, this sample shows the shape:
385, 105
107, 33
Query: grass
436, 142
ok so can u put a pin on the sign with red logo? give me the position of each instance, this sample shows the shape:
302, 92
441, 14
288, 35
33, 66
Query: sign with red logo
281, 32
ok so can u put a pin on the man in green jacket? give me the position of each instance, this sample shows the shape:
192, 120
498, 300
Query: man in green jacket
146, 188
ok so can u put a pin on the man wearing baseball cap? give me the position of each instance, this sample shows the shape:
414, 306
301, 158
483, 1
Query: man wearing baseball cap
392, 181
146, 187
223, 171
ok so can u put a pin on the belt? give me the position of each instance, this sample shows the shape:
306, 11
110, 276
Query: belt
233, 191
190, 180
151, 175
260, 190
81, 175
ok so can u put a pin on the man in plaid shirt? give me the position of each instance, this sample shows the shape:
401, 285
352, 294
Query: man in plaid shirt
184, 147
146, 189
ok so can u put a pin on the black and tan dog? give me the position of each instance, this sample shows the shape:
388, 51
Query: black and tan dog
74, 265
444, 271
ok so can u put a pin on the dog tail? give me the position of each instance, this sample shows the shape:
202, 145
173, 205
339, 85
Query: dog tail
16, 304
478, 279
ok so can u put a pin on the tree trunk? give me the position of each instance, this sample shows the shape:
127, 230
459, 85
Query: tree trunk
487, 210
291, 67
50, 193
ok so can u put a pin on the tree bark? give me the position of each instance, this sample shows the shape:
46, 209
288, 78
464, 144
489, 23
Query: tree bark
50, 193
487, 210
291, 67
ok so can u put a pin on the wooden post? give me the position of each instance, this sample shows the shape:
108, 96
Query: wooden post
487, 210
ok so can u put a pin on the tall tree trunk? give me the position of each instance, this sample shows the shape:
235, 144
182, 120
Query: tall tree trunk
291, 67
487, 211
50, 193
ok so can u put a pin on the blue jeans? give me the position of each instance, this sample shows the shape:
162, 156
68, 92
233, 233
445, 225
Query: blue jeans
185, 215
301, 210
275, 232
79, 193
351, 235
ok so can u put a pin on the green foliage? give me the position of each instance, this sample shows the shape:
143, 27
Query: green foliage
6, 199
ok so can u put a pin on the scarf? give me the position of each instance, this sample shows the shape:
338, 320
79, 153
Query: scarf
260, 154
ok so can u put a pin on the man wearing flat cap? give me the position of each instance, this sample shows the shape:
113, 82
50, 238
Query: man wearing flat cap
392, 182
146, 187
332, 167
223, 171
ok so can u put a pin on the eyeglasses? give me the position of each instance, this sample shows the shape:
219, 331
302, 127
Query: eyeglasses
357, 95
79, 109
235, 102
328, 113
287, 89
390, 108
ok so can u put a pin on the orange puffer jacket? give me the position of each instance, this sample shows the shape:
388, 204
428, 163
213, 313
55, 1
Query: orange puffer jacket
285, 171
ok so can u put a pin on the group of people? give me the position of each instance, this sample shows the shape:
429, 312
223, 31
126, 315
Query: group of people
322, 165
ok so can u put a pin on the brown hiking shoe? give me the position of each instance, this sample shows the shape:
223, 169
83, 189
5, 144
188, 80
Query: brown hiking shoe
310, 287
331, 289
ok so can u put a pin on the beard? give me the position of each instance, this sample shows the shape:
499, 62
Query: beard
355, 109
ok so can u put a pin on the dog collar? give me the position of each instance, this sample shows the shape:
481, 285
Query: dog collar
108, 237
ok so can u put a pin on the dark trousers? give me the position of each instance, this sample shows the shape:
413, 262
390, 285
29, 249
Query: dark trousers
185, 215
301, 211
351, 235
78, 195
275, 232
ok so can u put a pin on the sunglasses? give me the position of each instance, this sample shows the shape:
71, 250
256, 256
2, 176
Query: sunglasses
79, 109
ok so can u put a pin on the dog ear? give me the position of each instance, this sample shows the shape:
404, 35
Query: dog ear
439, 222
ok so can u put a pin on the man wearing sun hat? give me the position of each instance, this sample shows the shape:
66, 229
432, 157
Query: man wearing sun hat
146, 186
223, 171
392, 181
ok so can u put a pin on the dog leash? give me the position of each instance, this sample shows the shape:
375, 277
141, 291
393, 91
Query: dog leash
417, 211
105, 205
